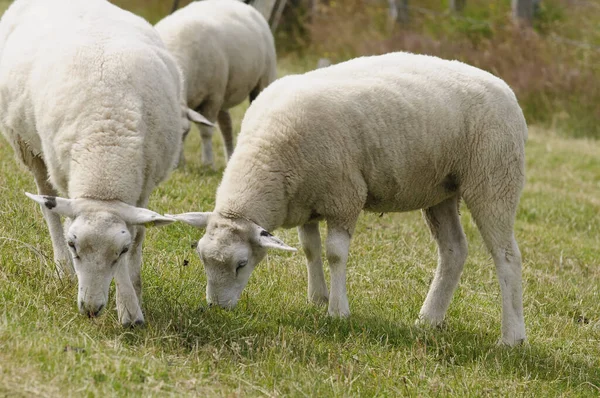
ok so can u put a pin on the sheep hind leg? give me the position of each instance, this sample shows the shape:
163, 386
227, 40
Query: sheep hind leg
226, 126
206, 133
337, 247
443, 221
181, 159
495, 220
310, 239
62, 257
254, 93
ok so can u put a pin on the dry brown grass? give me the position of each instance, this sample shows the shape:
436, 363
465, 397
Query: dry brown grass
557, 83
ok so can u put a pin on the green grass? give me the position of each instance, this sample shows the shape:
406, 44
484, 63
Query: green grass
275, 343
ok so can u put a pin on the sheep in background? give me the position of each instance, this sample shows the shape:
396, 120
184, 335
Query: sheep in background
390, 133
90, 101
226, 52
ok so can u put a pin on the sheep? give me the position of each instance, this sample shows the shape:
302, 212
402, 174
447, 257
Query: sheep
389, 133
91, 102
226, 52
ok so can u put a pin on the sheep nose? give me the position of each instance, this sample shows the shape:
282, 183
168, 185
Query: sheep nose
90, 310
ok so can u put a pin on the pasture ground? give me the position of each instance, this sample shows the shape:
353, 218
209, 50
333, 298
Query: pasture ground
277, 344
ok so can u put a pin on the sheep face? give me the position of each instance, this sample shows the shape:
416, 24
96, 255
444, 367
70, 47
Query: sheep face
230, 250
100, 234
98, 243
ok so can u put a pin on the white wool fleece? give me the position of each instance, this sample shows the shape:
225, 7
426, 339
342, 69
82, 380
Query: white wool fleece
91, 102
389, 133
226, 52
100, 100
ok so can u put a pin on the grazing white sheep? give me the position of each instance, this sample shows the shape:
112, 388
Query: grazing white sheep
390, 133
226, 52
90, 100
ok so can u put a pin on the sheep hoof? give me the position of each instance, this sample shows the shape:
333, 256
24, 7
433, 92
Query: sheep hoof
319, 299
133, 324
339, 312
512, 342
426, 323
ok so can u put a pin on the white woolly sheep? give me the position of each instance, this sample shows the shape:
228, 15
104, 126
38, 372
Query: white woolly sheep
90, 101
390, 133
226, 52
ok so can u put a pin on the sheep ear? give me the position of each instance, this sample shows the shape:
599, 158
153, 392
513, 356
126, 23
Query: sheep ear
198, 220
139, 216
198, 118
55, 204
265, 239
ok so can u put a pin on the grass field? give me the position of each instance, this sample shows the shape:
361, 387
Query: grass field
277, 344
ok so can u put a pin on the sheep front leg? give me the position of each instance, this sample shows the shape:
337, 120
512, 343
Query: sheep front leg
337, 246
206, 133
135, 262
310, 240
128, 305
62, 257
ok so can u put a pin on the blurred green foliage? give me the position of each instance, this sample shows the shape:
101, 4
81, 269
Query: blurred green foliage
554, 68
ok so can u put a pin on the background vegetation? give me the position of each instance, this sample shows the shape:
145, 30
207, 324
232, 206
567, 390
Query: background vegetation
275, 343
554, 68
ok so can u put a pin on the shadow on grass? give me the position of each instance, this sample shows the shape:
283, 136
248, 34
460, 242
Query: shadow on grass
310, 337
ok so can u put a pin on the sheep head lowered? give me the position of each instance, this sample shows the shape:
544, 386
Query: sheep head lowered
99, 235
230, 250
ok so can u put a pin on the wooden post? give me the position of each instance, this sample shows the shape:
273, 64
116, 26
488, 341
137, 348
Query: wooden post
398, 10
277, 13
457, 5
522, 11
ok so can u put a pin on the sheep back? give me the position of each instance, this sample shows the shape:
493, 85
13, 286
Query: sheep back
396, 132
224, 48
92, 90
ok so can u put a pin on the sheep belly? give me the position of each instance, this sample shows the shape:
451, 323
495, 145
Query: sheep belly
408, 197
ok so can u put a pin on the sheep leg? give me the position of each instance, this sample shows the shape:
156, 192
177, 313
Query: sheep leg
255, 91
443, 221
337, 247
508, 267
181, 160
495, 219
310, 239
135, 262
128, 305
226, 126
62, 257
206, 133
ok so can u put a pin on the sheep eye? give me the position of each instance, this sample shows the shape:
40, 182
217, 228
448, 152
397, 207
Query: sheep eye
241, 265
71, 244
